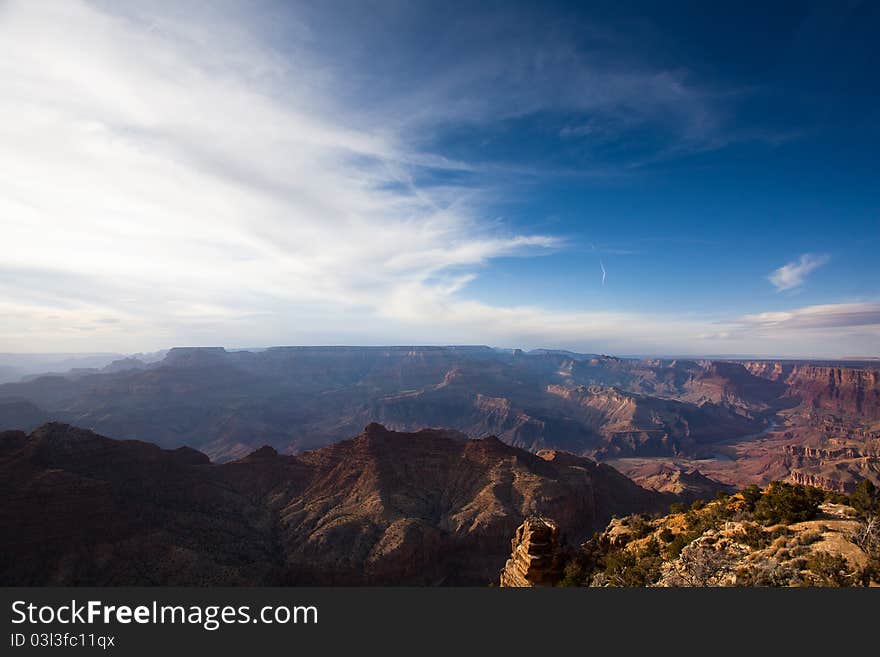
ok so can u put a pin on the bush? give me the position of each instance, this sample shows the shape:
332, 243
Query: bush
753, 536
810, 537
788, 503
718, 512
640, 525
582, 564
757, 537
831, 570
777, 532
867, 537
666, 535
751, 495
768, 573
624, 568
677, 544
836, 498
700, 565
576, 573
865, 498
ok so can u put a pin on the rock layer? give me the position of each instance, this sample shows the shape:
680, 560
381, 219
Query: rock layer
853, 391
535, 558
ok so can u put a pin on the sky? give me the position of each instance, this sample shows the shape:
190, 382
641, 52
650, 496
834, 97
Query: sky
623, 178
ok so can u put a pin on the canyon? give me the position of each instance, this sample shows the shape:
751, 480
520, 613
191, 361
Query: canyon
730, 422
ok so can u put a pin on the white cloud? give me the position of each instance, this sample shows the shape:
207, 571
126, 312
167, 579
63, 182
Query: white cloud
148, 171
837, 315
167, 182
794, 274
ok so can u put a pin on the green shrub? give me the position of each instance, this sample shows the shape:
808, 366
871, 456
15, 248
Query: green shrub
830, 570
576, 573
778, 532
624, 568
718, 512
583, 563
677, 544
640, 526
768, 573
751, 495
753, 536
757, 537
809, 537
788, 503
836, 498
865, 498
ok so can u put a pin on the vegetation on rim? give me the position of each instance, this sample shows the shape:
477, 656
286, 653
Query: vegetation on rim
784, 535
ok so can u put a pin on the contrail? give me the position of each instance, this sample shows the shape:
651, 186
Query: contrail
602, 266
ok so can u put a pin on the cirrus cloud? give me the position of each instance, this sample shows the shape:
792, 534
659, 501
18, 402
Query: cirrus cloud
178, 174
793, 274
176, 181
838, 315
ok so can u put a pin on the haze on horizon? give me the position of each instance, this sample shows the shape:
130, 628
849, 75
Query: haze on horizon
699, 180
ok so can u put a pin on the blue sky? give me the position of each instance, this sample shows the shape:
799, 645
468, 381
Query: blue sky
368, 173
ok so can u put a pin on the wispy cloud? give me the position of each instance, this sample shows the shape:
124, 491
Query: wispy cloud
793, 274
155, 173
839, 315
177, 181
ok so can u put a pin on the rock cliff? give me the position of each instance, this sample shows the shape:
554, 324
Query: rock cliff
535, 558
821, 389
837, 469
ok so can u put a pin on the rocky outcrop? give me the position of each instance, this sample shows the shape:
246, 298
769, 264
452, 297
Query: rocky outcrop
535, 558
819, 481
823, 389
842, 390
772, 371
687, 483
817, 455
837, 469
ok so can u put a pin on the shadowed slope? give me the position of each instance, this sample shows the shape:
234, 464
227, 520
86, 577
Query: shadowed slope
428, 507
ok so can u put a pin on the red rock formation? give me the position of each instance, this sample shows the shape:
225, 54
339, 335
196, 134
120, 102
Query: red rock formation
633, 424
384, 508
687, 483
838, 469
817, 455
822, 389
536, 559
818, 481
